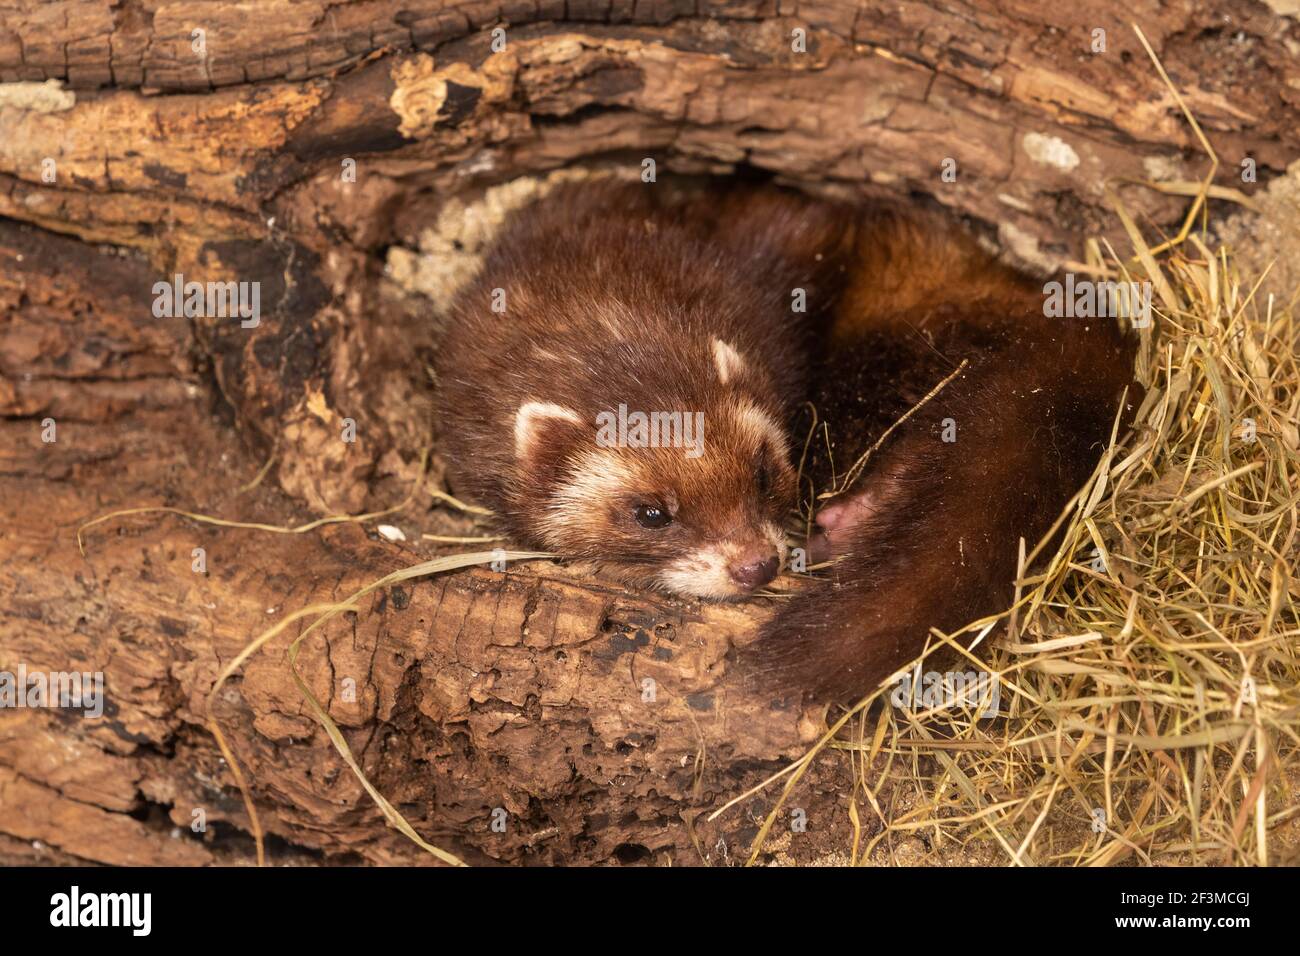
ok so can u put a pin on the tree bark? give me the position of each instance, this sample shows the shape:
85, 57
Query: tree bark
135, 149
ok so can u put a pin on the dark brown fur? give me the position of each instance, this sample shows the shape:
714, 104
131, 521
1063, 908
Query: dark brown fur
933, 541
935, 544
604, 250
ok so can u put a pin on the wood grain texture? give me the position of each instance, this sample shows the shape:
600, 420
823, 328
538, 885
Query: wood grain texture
520, 691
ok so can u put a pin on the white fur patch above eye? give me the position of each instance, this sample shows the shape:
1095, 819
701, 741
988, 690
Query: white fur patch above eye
761, 429
528, 420
595, 478
727, 360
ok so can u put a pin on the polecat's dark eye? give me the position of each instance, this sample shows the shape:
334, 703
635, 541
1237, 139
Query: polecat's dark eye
653, 517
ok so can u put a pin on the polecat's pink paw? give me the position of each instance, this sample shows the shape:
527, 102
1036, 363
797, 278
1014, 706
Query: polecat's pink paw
836, 522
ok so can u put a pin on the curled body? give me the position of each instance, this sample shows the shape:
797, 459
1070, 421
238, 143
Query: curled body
927, 536
613, 303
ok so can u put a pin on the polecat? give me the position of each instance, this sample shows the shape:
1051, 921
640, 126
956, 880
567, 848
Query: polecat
615, 387
620, 383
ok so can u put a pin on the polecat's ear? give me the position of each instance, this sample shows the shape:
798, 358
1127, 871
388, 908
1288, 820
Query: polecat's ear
533, 421
727, 360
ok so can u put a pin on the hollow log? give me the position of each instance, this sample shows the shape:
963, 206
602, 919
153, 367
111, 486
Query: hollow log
527, 715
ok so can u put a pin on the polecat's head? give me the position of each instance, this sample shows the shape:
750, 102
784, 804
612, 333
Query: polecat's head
683, 498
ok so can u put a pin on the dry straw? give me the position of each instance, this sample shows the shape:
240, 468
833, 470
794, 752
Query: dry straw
1149, 670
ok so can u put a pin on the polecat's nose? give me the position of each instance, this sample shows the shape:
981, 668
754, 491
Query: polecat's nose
755, 574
